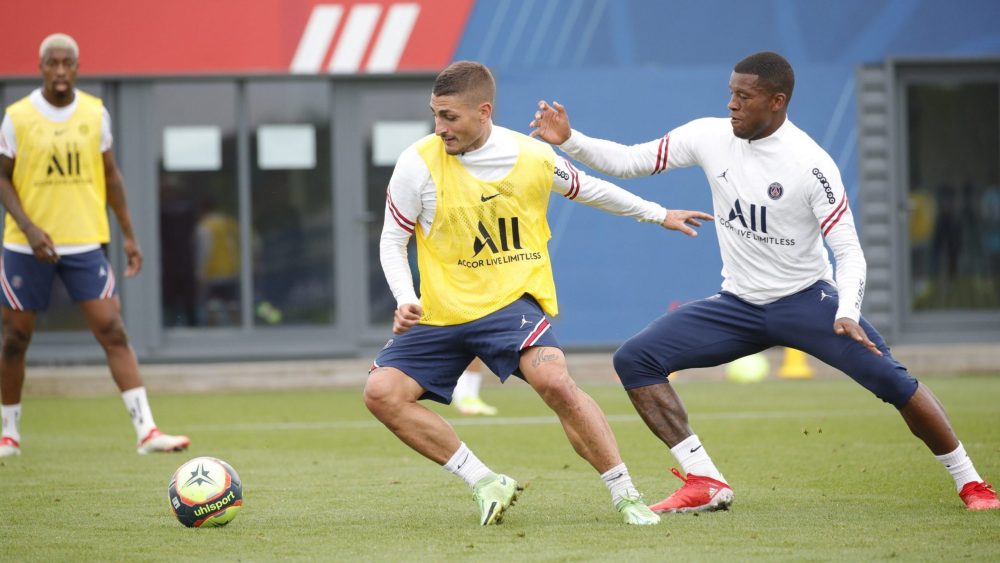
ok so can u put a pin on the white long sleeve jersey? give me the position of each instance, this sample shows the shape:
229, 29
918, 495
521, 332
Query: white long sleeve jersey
775, 200
412, 200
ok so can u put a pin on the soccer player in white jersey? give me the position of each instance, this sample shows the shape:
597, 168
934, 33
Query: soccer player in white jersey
475, 197
57, 177
777, 196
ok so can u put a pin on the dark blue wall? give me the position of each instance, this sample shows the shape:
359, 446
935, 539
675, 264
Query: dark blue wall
631, 70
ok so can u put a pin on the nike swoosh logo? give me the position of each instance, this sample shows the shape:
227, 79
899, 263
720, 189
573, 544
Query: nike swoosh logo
485, 199
489, 513
696, 449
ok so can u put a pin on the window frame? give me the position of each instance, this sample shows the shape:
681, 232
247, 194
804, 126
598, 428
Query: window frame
908, 324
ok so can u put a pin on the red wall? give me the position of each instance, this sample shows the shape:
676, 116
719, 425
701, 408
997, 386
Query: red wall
208, 36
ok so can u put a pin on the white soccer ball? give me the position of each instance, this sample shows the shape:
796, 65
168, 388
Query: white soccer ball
205, 493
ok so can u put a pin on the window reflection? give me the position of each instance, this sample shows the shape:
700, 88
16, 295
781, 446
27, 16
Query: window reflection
292, 203
199, 206
954, 221
399, 110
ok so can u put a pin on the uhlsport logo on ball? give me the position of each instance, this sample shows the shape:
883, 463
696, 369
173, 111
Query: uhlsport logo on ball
205, 493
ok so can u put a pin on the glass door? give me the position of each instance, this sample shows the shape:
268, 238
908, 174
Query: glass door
954, 196
949, 236
291, 203
195, 132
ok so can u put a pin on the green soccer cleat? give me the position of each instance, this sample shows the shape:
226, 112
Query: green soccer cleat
635, 512
494, 494
471, 406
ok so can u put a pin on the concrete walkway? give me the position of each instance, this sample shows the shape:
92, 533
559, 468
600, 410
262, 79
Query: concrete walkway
586, 367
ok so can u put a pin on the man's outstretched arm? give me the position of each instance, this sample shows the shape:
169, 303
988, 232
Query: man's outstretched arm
551, 124
576, 185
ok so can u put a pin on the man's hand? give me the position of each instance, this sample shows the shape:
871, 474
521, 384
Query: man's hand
134, 255
551, 124
682, 220
406, 316
41, 244
848, 327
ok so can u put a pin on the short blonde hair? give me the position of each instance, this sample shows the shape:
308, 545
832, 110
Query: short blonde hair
58, 41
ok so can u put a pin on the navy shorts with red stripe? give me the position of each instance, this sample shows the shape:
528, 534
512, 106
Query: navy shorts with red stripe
436, 356
723, 327
26, 282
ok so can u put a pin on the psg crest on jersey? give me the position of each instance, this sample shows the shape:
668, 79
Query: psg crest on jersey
775, 190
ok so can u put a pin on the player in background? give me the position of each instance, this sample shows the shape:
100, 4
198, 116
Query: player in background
476, 195
466, 397
57, 177
777, 196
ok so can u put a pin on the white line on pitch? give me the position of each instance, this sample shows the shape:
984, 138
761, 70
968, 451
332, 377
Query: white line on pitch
518, 421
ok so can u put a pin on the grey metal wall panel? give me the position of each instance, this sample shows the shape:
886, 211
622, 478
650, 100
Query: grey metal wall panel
875, 193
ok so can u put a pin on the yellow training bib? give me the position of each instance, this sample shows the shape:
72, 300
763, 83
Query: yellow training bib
59, 173
488, 244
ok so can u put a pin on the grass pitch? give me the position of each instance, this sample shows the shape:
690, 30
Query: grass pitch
821, 470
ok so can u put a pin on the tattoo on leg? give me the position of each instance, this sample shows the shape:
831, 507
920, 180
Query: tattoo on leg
542, 356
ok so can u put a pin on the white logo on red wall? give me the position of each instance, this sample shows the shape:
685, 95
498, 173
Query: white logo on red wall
360, 38
237, 36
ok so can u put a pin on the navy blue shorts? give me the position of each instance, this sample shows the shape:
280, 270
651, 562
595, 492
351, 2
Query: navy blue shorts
722, 328
436, 356
27, 281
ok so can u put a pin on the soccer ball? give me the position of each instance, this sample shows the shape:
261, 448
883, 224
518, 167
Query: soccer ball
748, 369
205, 493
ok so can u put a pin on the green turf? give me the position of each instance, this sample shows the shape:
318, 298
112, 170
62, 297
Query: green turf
821, 471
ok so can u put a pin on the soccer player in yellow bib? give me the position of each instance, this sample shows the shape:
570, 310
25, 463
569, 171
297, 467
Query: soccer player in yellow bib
57, 177
476, 194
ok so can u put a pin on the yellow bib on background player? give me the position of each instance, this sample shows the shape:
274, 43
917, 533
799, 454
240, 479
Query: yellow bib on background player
488, 244
59, 173
222, 257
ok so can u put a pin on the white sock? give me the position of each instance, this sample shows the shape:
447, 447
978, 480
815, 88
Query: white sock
11, 421
466, 465
694, 459
619, 482
138, 408
468, 385
959, 464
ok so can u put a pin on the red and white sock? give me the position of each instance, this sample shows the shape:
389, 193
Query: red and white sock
138, 408
693, 458
959, 464
11, 421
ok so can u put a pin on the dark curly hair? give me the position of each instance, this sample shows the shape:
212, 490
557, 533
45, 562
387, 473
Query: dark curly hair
773, 72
